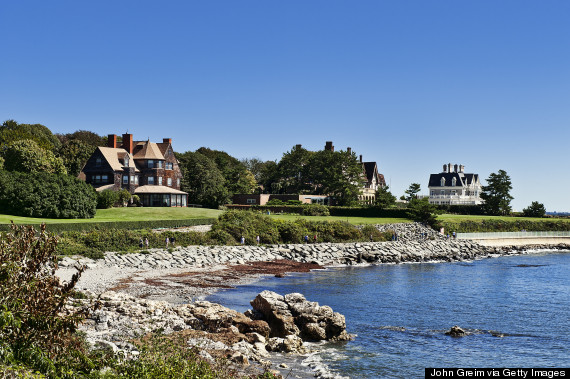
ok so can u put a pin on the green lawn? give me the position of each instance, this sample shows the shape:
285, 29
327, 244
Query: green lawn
124, 214
352, 220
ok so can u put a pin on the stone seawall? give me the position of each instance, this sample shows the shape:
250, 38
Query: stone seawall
415, 243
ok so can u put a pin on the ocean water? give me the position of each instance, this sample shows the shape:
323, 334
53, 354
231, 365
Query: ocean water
517, 309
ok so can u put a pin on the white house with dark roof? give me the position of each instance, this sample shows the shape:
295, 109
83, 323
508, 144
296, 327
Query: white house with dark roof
454, 187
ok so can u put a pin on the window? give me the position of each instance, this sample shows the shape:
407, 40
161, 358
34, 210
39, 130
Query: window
150, 163
433, 193
99, 178
178, 182
169, 182
160, 180
136, 179
442, 182
132, 179
125, 179
442, 192
150, 180
251, 201
98, 162
126, 160
169, 165
453, 182
158, 164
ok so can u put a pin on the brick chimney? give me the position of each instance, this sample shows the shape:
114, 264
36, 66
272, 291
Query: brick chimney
167, 140
112, 141
128, 143
298, 146
360, 158
349, 150
329, 146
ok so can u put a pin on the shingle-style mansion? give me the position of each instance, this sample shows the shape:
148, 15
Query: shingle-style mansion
454, 187
147, 169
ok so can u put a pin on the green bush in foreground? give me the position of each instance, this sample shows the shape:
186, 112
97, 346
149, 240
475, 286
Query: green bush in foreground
37, 331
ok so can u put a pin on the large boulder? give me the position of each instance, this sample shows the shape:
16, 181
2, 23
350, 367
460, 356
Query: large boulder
276, 312
292, 314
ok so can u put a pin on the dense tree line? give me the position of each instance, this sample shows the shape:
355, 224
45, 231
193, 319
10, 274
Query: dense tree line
38, 170
41, 194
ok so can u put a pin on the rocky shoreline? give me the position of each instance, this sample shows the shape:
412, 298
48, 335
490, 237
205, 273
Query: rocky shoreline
141, 282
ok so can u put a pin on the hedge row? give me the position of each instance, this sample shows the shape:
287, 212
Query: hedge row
134, 225
476, 210
368, 212
332, 211
488, 226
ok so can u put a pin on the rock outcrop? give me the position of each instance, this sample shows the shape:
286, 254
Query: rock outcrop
216, 330
456, 331
293, 315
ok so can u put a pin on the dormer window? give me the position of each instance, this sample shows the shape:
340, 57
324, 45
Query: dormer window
98, 162
442, 182
453, 182
126, 161
150, 163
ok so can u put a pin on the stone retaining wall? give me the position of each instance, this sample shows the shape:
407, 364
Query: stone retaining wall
415, 244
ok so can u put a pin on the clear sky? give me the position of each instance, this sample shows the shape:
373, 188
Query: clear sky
409, 84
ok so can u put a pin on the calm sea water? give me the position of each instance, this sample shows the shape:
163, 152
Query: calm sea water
400, 313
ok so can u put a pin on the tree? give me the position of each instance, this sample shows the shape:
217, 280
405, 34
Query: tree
74, 155
535, 209
11, 131
86, 137
290, 174
236, 175
496, 194
412, 191
421, 210
202, 179
27, 156
336, 174
384, 197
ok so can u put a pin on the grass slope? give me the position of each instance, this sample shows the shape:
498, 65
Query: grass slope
124, 214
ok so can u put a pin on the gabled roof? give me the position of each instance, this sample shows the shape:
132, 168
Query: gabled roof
370, 169
461, 179
112, 156
147, 150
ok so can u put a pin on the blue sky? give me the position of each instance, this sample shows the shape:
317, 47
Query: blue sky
409, 84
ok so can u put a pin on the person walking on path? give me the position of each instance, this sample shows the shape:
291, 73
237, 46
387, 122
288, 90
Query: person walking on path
167, 241
146, 242
306, 239
257, 239
315, 238
242, 240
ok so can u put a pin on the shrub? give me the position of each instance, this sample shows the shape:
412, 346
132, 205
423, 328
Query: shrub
315, 210
107, 198
45, 195
248, 225
36, 329
291, 232
375, 235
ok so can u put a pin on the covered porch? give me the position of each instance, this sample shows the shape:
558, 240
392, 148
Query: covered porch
161, 196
